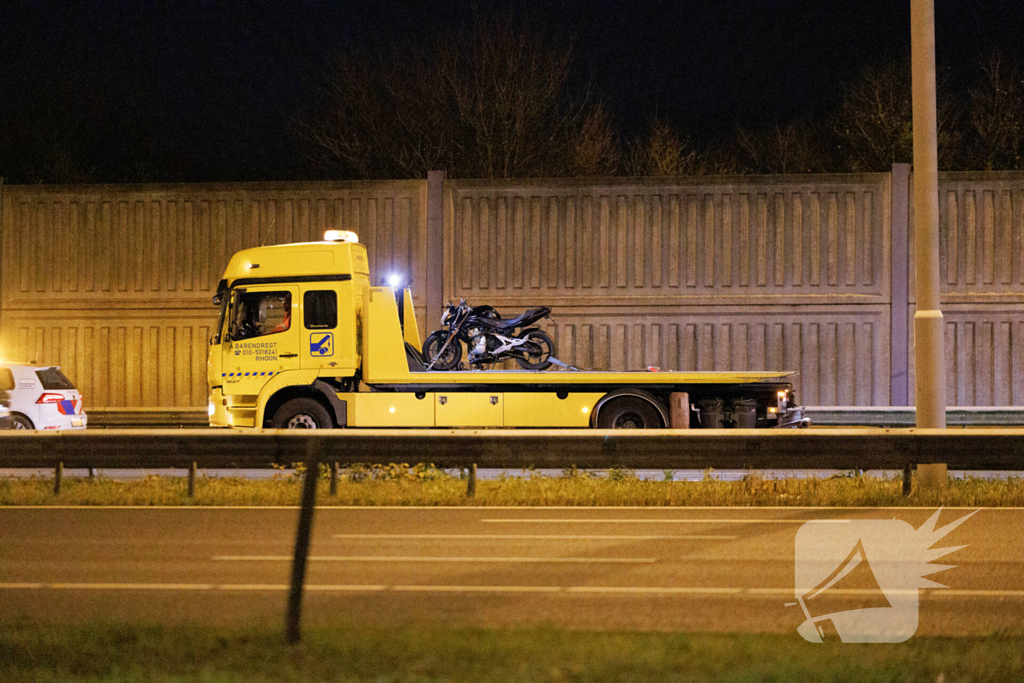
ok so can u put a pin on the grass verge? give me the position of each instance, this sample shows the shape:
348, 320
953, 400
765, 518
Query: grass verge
402, 485
432, 653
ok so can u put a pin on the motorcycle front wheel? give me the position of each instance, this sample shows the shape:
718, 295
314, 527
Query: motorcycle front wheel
537, 351
449, 360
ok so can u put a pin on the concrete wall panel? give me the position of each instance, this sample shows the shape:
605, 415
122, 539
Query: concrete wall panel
842, 353
981, 238
793, 239
984, 347
138, 246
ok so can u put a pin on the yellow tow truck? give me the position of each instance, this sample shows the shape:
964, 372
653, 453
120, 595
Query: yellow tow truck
303, 341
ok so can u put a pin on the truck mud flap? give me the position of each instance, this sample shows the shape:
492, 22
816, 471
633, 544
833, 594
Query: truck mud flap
338, 407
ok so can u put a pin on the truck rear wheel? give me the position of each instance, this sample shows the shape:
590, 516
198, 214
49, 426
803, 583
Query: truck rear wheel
302, 413
628, 413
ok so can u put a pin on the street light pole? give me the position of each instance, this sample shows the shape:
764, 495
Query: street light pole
929, 355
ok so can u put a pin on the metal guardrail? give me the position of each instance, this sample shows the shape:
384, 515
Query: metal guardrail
824, 416
967, 449
900, 416
147, 418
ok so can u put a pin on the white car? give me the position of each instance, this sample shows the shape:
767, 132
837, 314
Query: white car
42, 397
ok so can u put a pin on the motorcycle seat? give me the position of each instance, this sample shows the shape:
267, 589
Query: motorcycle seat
526, 318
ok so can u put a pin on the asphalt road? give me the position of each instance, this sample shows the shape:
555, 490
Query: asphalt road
707, 569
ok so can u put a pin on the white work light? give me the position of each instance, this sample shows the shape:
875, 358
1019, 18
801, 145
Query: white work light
340, 236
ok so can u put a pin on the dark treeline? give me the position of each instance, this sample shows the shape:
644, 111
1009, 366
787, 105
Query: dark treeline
492, 99
496, 102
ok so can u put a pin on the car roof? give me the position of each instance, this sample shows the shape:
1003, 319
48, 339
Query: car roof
31, 365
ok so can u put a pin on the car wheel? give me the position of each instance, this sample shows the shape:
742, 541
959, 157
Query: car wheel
628, 413
302, 413
22, 422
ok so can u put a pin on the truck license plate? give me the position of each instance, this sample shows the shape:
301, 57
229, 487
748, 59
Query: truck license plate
76, 422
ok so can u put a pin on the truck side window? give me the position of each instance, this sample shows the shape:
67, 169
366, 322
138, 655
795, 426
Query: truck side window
320, 309
257, 314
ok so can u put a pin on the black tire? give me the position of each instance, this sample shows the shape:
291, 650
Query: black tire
628, 413
302, 413
452, 354
21, 422
538, 351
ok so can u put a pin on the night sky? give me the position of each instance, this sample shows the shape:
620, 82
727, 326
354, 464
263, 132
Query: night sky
192, 91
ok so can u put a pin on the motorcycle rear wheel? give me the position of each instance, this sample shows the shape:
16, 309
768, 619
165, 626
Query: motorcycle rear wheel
449, 360
537, 351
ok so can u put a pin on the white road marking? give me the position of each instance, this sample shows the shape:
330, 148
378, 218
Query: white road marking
477, 589
848, 592
417, 558
134, 586
573, 520
542, 537
757, 593
653, 590
961, 593
450, 508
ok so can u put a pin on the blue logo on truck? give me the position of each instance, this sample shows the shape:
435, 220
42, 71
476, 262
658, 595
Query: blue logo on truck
321, 344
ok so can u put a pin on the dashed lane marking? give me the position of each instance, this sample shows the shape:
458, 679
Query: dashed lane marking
604, 520
417, 558
541, 537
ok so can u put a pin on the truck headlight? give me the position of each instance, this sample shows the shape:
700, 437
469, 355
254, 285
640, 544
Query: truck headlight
211, 409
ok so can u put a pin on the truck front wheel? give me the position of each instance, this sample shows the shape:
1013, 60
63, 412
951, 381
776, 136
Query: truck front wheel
302, 413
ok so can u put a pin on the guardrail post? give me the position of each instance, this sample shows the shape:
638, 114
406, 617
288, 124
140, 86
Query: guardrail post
92, 473
334, 478
302, 540
908, 477
58, 477
471, 483
192, 479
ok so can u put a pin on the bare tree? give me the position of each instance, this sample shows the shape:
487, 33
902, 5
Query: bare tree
592, 148
996, 113
663, 152
797, 147
874, 122
492, 101
875, 119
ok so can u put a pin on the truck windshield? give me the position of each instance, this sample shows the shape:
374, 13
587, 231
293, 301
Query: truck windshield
257, 314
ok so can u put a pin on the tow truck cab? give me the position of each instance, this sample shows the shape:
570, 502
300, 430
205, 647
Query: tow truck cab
303, 340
